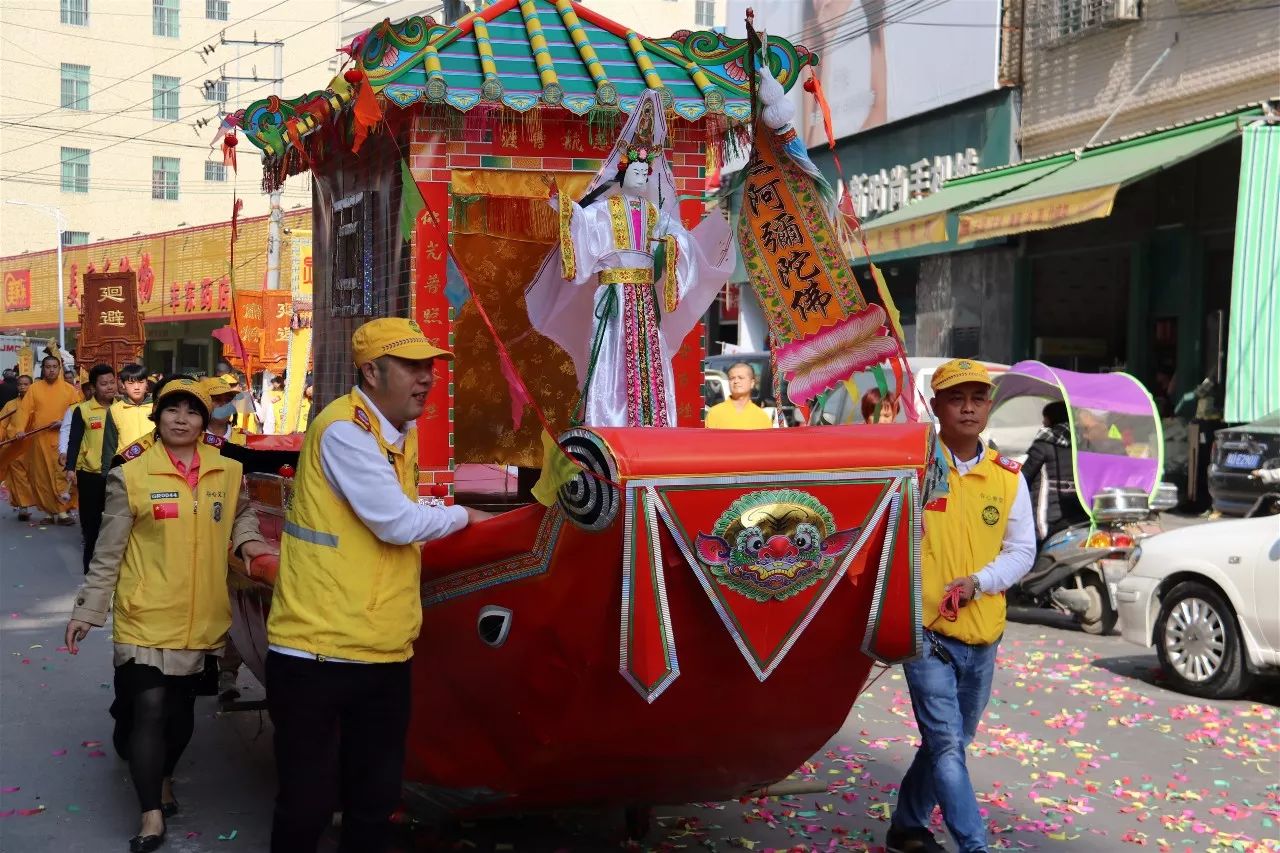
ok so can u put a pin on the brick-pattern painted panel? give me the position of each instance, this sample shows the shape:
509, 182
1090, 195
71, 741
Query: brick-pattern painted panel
1220, 61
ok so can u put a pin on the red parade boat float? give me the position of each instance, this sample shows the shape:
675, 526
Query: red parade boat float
696, 611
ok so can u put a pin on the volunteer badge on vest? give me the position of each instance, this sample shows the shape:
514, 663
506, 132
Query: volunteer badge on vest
990, 515
217, 510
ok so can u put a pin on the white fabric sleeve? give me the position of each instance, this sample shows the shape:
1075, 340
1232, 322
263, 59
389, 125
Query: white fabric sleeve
64, 431
360, 474
1017, 550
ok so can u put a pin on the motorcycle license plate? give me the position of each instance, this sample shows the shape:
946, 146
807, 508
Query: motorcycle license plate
1242, 460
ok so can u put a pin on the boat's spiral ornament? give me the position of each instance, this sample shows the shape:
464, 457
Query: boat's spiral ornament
590, 502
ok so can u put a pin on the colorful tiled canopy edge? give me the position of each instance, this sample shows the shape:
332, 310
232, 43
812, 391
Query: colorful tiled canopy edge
527, 53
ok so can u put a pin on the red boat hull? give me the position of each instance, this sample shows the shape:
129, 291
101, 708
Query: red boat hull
547, 717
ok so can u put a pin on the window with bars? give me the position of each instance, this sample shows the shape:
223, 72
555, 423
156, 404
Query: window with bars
217, 10
164, 178
164, 18
704, 13
75, 170
75, 86
74, 12
216, 90
1061, 21
164, 97
75, 238
215, 171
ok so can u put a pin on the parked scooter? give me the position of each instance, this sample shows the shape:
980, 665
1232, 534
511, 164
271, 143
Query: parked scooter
1116, 454
1077, 569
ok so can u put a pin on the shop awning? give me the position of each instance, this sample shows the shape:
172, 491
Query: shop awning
1253, 349
1086, 189
925, 221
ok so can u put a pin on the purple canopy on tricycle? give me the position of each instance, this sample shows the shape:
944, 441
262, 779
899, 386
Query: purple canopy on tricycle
1115, 429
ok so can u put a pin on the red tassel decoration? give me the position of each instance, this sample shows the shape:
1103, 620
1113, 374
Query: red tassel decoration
235, 217
366, 114
229, 143
814, 86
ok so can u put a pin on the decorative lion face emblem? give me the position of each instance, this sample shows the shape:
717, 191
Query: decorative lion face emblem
771, 545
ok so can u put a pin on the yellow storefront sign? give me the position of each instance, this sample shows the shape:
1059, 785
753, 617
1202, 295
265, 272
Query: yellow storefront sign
181, 275
1037, 214
907, 235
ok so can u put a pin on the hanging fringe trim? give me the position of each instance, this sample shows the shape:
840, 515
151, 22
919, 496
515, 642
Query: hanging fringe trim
671, 288
567, 257
602, 126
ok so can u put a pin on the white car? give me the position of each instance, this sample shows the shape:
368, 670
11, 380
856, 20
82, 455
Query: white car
1208, 598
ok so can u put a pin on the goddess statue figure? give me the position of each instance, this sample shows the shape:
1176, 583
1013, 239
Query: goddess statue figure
600, 295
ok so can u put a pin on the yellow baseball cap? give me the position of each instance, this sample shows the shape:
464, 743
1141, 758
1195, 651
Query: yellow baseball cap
957, 372
229, 378
393, 336
216, 387
184, 386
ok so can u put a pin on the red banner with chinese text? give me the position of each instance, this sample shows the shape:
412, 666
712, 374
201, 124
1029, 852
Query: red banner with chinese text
277, 311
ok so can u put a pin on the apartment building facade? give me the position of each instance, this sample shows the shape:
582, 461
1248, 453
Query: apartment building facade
109, 109
1142, 64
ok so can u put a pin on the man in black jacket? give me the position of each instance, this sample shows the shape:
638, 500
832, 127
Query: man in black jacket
1051, 475
8, 386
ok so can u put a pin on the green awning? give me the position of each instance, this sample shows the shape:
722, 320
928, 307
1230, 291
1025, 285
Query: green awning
1086, 189
1253, 349
925, 221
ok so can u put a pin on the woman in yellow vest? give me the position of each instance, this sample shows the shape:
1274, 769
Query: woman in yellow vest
173, 510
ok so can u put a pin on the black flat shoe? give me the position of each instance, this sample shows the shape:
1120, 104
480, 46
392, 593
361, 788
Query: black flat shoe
145, 843
170, 809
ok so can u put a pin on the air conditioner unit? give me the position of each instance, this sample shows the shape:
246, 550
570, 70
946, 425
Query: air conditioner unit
1115, 12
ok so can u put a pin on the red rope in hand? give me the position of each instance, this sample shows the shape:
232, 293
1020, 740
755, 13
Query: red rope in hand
949, 608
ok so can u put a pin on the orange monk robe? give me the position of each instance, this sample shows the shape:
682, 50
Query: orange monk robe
15, 473
44, 404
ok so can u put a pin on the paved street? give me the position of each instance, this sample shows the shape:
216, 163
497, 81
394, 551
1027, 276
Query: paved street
1081, 749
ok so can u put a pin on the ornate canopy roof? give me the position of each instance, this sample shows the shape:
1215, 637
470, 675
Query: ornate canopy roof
523, 54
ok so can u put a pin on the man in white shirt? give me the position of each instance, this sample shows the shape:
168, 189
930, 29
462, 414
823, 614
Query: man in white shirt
347, 603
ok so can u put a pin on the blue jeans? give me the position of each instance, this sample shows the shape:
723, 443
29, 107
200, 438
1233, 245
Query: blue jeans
948, 699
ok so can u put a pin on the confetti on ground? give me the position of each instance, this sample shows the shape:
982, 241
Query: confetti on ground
1049, 763
230, 836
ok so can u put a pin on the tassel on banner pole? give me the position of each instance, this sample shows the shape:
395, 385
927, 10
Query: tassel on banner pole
229, 143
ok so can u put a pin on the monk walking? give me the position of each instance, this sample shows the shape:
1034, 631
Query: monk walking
15, 473
44, 405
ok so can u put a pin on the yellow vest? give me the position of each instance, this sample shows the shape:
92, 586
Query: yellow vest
132, 422
727, 416
963, 532
172, 591
94, 415
341, 591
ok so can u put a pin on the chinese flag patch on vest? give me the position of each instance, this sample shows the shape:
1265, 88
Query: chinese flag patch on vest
162, 511
95, 425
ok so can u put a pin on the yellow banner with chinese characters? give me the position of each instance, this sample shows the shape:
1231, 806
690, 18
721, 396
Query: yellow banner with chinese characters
906, 235
181, 275
299, 358
1037, 215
